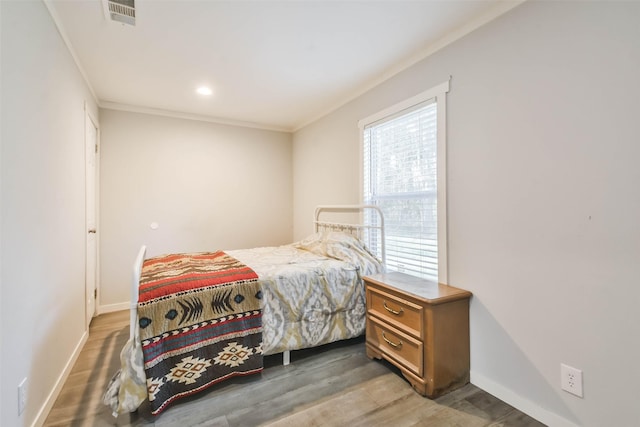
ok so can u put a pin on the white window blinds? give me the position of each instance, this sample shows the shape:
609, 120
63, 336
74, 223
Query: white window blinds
400, 176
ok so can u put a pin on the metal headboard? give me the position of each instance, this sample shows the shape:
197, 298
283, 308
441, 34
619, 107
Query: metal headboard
357, 230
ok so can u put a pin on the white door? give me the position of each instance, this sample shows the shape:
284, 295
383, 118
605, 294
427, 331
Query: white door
91, 148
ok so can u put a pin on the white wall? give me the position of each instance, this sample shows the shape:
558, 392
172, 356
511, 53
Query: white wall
543, 135
43, 208
326, 168
1, 149
208, 186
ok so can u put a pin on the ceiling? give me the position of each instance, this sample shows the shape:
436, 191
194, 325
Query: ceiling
270, 64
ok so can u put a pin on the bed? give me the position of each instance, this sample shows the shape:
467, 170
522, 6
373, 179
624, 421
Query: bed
262, 301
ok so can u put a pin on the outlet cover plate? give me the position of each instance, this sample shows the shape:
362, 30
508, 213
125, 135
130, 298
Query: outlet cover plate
571, 380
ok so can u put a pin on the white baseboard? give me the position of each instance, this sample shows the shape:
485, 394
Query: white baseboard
51, 398
520, 403
102, 309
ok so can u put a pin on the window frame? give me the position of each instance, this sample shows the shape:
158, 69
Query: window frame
438, 94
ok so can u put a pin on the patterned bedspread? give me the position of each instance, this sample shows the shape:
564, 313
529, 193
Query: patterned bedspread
200, 322
313, 290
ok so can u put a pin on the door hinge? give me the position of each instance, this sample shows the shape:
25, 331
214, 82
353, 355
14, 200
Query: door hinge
95, 293
96, 148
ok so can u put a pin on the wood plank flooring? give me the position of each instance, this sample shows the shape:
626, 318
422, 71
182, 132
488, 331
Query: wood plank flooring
333, 385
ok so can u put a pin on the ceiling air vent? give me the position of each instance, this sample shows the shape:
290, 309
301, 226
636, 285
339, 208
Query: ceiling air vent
123, 11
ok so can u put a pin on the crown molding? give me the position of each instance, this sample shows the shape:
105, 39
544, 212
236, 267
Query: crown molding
108, 105
499, 9
58, 23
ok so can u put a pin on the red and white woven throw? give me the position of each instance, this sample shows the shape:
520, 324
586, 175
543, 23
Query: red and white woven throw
200, 318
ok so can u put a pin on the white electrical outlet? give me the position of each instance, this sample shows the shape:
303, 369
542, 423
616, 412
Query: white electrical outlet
571, 379
22, 396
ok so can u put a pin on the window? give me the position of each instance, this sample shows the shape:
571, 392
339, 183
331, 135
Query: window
404, 174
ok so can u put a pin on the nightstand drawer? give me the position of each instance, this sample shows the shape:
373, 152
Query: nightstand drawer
399, 347
399, 312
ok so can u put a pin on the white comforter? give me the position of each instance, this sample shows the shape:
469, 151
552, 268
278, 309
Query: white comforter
313, 290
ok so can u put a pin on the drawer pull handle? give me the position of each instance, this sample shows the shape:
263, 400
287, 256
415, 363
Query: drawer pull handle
391, 310
392, 344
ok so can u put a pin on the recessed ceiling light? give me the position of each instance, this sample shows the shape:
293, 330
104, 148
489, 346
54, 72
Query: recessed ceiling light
203, 90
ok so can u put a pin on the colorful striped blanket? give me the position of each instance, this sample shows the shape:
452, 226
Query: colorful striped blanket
200, 318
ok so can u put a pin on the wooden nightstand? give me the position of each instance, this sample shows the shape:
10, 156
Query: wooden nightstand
422, 328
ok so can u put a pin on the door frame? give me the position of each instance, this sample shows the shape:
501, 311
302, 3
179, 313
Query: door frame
90, 118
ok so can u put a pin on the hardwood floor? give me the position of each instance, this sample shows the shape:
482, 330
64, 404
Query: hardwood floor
333, 385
